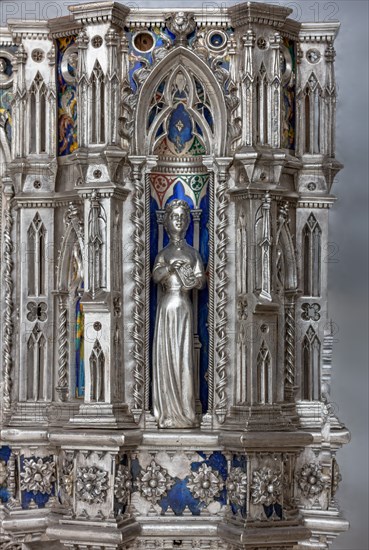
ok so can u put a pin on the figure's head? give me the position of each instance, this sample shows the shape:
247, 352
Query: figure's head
73, 60
177, 218
2, 65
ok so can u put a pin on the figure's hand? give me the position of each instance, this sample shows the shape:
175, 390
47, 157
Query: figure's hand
188, 275
176, 265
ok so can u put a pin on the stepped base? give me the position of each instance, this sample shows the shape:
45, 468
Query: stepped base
103, 415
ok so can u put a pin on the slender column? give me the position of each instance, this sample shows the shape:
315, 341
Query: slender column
196, 215
241, 260
275, 93
147, 284
20, 101
248, 89
242, 365
8, 325
266, 250
330, 92
112, 82
211, 319
289, 348
221, 288
83, 102
52, 107
62, 387
160, 221
138, 275
300, 104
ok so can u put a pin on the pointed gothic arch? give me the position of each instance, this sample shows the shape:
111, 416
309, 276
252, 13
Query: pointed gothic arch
70, 284
286, 252
38, 123
183, 58
73, 237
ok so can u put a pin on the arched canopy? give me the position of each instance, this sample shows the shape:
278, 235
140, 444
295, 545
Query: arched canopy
288, 251
72, 245
190, 63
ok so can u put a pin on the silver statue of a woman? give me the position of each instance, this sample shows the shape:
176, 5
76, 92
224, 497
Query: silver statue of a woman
179, 268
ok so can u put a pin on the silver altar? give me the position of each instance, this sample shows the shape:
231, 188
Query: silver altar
106, 117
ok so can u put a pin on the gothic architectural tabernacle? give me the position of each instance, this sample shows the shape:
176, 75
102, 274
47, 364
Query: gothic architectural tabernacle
166, 347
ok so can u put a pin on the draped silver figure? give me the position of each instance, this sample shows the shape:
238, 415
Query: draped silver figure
179, 269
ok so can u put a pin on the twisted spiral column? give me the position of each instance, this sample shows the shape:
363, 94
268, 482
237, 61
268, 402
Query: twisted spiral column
147, 302
138, 275
62, 387
8, 325
289, 349
211, 295
222, 292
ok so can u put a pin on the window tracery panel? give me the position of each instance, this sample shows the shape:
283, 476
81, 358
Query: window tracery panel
97, 105
264, 375
310, 379
313, 115
38, 114
97, 373
312, 257
36, 257
36, 365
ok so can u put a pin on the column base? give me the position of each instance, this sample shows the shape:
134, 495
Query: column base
104, 534
103, 415
258, 418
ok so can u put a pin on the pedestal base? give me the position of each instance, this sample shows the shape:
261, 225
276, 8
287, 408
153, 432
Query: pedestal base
103, 415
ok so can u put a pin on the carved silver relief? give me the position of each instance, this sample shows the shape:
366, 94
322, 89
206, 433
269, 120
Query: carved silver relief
312, 481
266, 486
237, 486
154, 483
205, 484
181, 24
92, 484
123, 484
38, 476
3, 473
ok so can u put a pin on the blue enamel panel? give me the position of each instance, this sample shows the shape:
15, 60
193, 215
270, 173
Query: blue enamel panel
5, 453
179, 192
139, 59
179, 495
180, 127
239, 461
218, 462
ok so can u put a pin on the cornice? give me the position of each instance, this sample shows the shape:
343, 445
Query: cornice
6, 38
100, 12
313, 201
156, 16
104, 192
319, 32
64, 26
291, 29
276, 193
29, 29
260, 13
